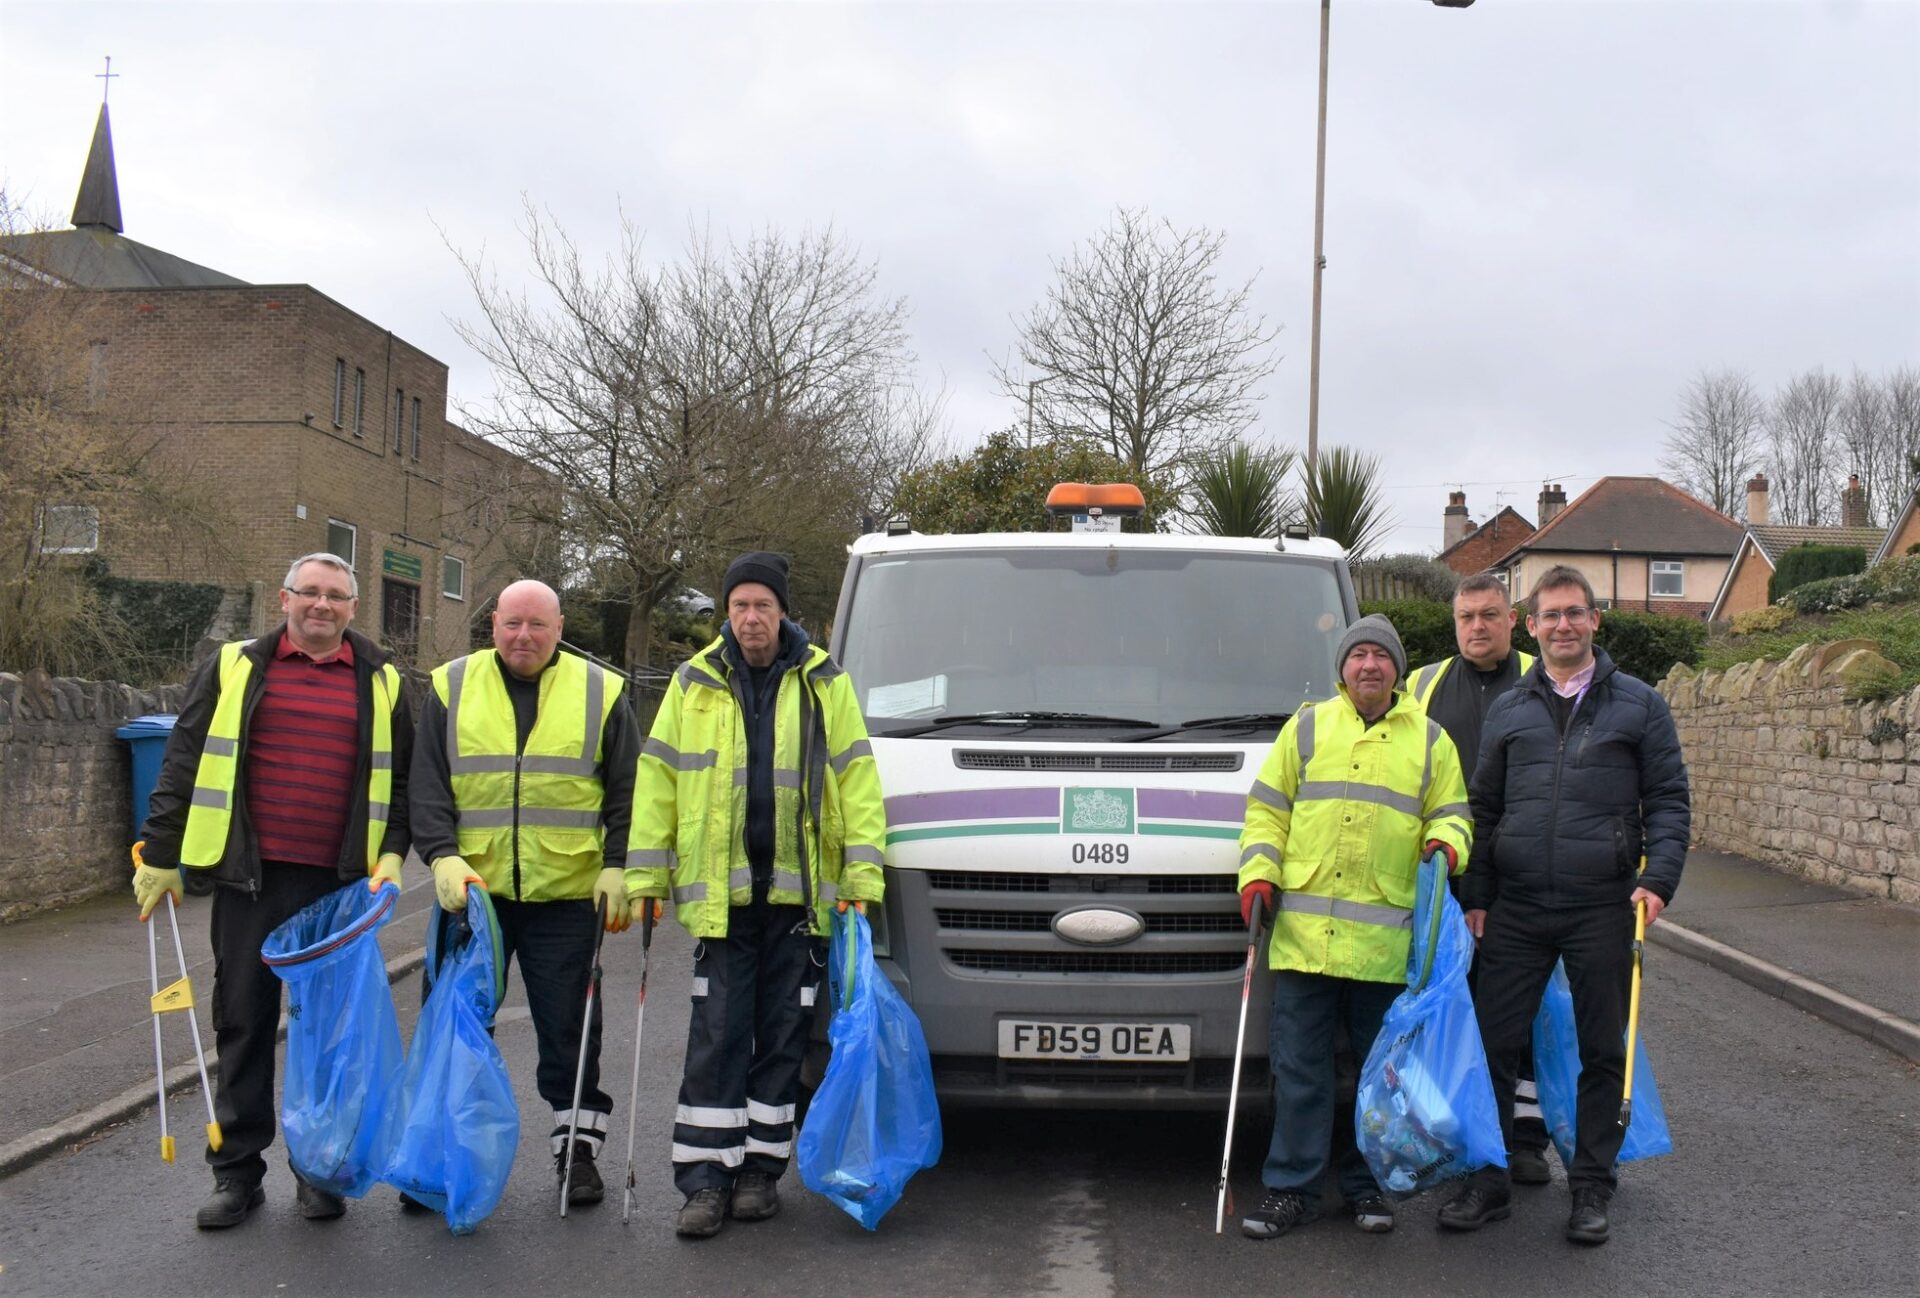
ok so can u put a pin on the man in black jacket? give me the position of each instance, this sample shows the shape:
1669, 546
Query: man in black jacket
1580, 774
285, 777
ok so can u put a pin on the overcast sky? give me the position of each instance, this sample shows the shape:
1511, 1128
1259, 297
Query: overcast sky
1543, 216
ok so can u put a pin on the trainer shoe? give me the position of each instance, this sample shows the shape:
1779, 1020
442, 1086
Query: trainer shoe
703, 1214
232, 1199
410, 1205
316, 1204
1588, 1222
755, 1196
1483, 1200
1279, 1212
1373, 1214
1528, 1167
586, 1185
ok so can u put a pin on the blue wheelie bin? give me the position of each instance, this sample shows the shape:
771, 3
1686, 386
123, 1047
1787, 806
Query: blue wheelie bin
147, 736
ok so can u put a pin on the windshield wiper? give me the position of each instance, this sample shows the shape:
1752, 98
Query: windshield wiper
1236, 721
1017, 718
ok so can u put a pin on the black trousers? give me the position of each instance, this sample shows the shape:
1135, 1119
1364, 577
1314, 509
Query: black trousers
246, 1009
753, 999
1529, 1127
552, 943
1517, 955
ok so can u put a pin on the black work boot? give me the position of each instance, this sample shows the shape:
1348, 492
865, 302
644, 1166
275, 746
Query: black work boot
703, 1214
1528, 1167
585, 1185
232, 1199
1279, 1212
755, 1196
314, 1203
1588, 1222
1485, 1199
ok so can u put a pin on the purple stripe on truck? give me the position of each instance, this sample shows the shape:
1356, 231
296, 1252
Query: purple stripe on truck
972, 804
1191, 804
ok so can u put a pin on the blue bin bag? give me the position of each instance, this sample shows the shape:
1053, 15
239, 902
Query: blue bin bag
456, 1124
343, 1040
1424, 1110
1556, 1074
874, 1122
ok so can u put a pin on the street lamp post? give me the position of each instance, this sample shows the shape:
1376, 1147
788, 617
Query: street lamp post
1319, 232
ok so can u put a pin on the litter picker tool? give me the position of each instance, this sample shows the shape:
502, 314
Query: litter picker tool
176, 996
1254, 925
1633, 1008
580, 1072
639, 1029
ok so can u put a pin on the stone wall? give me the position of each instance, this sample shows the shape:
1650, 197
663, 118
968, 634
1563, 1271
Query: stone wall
66, 802
1789, 765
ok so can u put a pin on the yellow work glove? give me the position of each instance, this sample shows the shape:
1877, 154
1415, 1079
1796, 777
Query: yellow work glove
385, 870
451, 875
637, 908
150, 883
841, 906
610, 886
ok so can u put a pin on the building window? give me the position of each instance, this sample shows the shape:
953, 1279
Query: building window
399, 422
96, 373
359, 403
343, 539
453, 578
69, 529
1669, 578
416, 428
339, 392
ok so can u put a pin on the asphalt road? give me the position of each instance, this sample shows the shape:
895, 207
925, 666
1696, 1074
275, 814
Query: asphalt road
1797, 1173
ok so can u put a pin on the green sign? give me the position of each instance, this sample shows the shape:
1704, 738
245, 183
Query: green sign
1096, 811
400, 565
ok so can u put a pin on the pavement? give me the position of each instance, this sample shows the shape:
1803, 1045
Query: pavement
76, 1042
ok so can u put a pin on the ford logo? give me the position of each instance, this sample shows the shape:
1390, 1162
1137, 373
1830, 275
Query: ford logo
1098, 925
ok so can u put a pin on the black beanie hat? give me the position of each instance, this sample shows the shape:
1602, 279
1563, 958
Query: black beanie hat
769, 569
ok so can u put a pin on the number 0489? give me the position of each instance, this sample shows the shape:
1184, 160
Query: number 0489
1099, 853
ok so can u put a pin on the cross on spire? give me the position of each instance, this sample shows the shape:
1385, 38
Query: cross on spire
106, 79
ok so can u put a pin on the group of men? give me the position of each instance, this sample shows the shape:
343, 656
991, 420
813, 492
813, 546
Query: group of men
1578, 814
295, 768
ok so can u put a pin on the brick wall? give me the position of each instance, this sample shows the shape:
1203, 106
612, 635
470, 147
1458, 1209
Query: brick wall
66, 802
1787, 767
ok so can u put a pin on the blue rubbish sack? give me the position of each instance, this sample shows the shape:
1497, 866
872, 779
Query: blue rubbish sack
1424, 1110
875, 1121
1556, 1075
343, 1039
456, 1124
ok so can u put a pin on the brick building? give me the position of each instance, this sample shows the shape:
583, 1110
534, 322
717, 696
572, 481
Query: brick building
311, 426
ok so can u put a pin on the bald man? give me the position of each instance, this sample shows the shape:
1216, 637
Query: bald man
525, 766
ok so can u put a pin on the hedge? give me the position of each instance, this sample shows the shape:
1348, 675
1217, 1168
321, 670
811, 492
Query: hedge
1895, 581
1805, 563
1646, 645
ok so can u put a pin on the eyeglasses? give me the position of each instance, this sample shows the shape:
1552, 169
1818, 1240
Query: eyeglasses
313, 596
1575, 616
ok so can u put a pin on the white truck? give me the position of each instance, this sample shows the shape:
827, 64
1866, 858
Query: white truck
1066, 726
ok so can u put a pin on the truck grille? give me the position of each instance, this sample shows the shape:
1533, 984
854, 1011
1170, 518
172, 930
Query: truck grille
987, 759
1096, 962
998, 921
1154, 884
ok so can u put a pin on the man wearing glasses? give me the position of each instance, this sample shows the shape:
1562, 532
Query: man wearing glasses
286, 775
1580, 774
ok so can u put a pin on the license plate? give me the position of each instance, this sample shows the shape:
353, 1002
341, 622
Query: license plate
1149, 1043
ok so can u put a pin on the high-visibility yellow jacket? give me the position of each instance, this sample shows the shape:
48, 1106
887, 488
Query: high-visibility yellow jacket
1426, 680
529, 820
690, 796
1337, 819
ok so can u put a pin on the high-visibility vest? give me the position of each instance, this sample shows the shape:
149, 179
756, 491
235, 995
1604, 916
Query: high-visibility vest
1427, 679
210, 813
528, 821
1337, 819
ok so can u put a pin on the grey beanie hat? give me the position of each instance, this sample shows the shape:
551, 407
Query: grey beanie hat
1374, 629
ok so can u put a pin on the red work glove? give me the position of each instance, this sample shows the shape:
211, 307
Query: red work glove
1266, 892
1446, 850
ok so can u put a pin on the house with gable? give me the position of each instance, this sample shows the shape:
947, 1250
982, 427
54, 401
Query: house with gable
1746, 583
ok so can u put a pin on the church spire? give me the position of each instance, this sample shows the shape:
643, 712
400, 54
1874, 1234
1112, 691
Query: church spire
99, 201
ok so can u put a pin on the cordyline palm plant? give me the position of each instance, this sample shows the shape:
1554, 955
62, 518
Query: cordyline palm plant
1344, 501
1242, 491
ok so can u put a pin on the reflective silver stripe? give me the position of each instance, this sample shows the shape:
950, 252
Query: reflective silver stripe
383, 761
694, 1115
859, 853
1523, 1109
784, 779
827, 671
376, 811
210, 798
740, 878
1358, 912
732, 1156
456, 681
770, 1148
768, 1113
589, 1120
1426, 776
691, 675
1336, 791
1264, 792
1425, 677
807, 994
787, 879
500, 764
690, 892
593, 1140
1303, 737
829, 892
740, 777
678, 760
596, 704
652, 858
542, 817
541, 764
699, 986
1257, 850
1452, 809
217, 747
855, 751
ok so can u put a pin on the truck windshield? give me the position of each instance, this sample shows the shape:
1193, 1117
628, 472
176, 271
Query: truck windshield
1161, 636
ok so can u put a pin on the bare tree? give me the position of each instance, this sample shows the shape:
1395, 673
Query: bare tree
1802, 437
1717, 439
1867, 439
1902, 391
1141, 350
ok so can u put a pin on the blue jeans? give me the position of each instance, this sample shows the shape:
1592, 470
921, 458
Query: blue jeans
1300, 1049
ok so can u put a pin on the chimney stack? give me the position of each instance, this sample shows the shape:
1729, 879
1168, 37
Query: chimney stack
1454, 522
1757, 500
1853, 503
1552, 501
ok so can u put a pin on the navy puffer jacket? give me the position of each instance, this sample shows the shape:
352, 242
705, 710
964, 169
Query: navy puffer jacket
1562, 820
